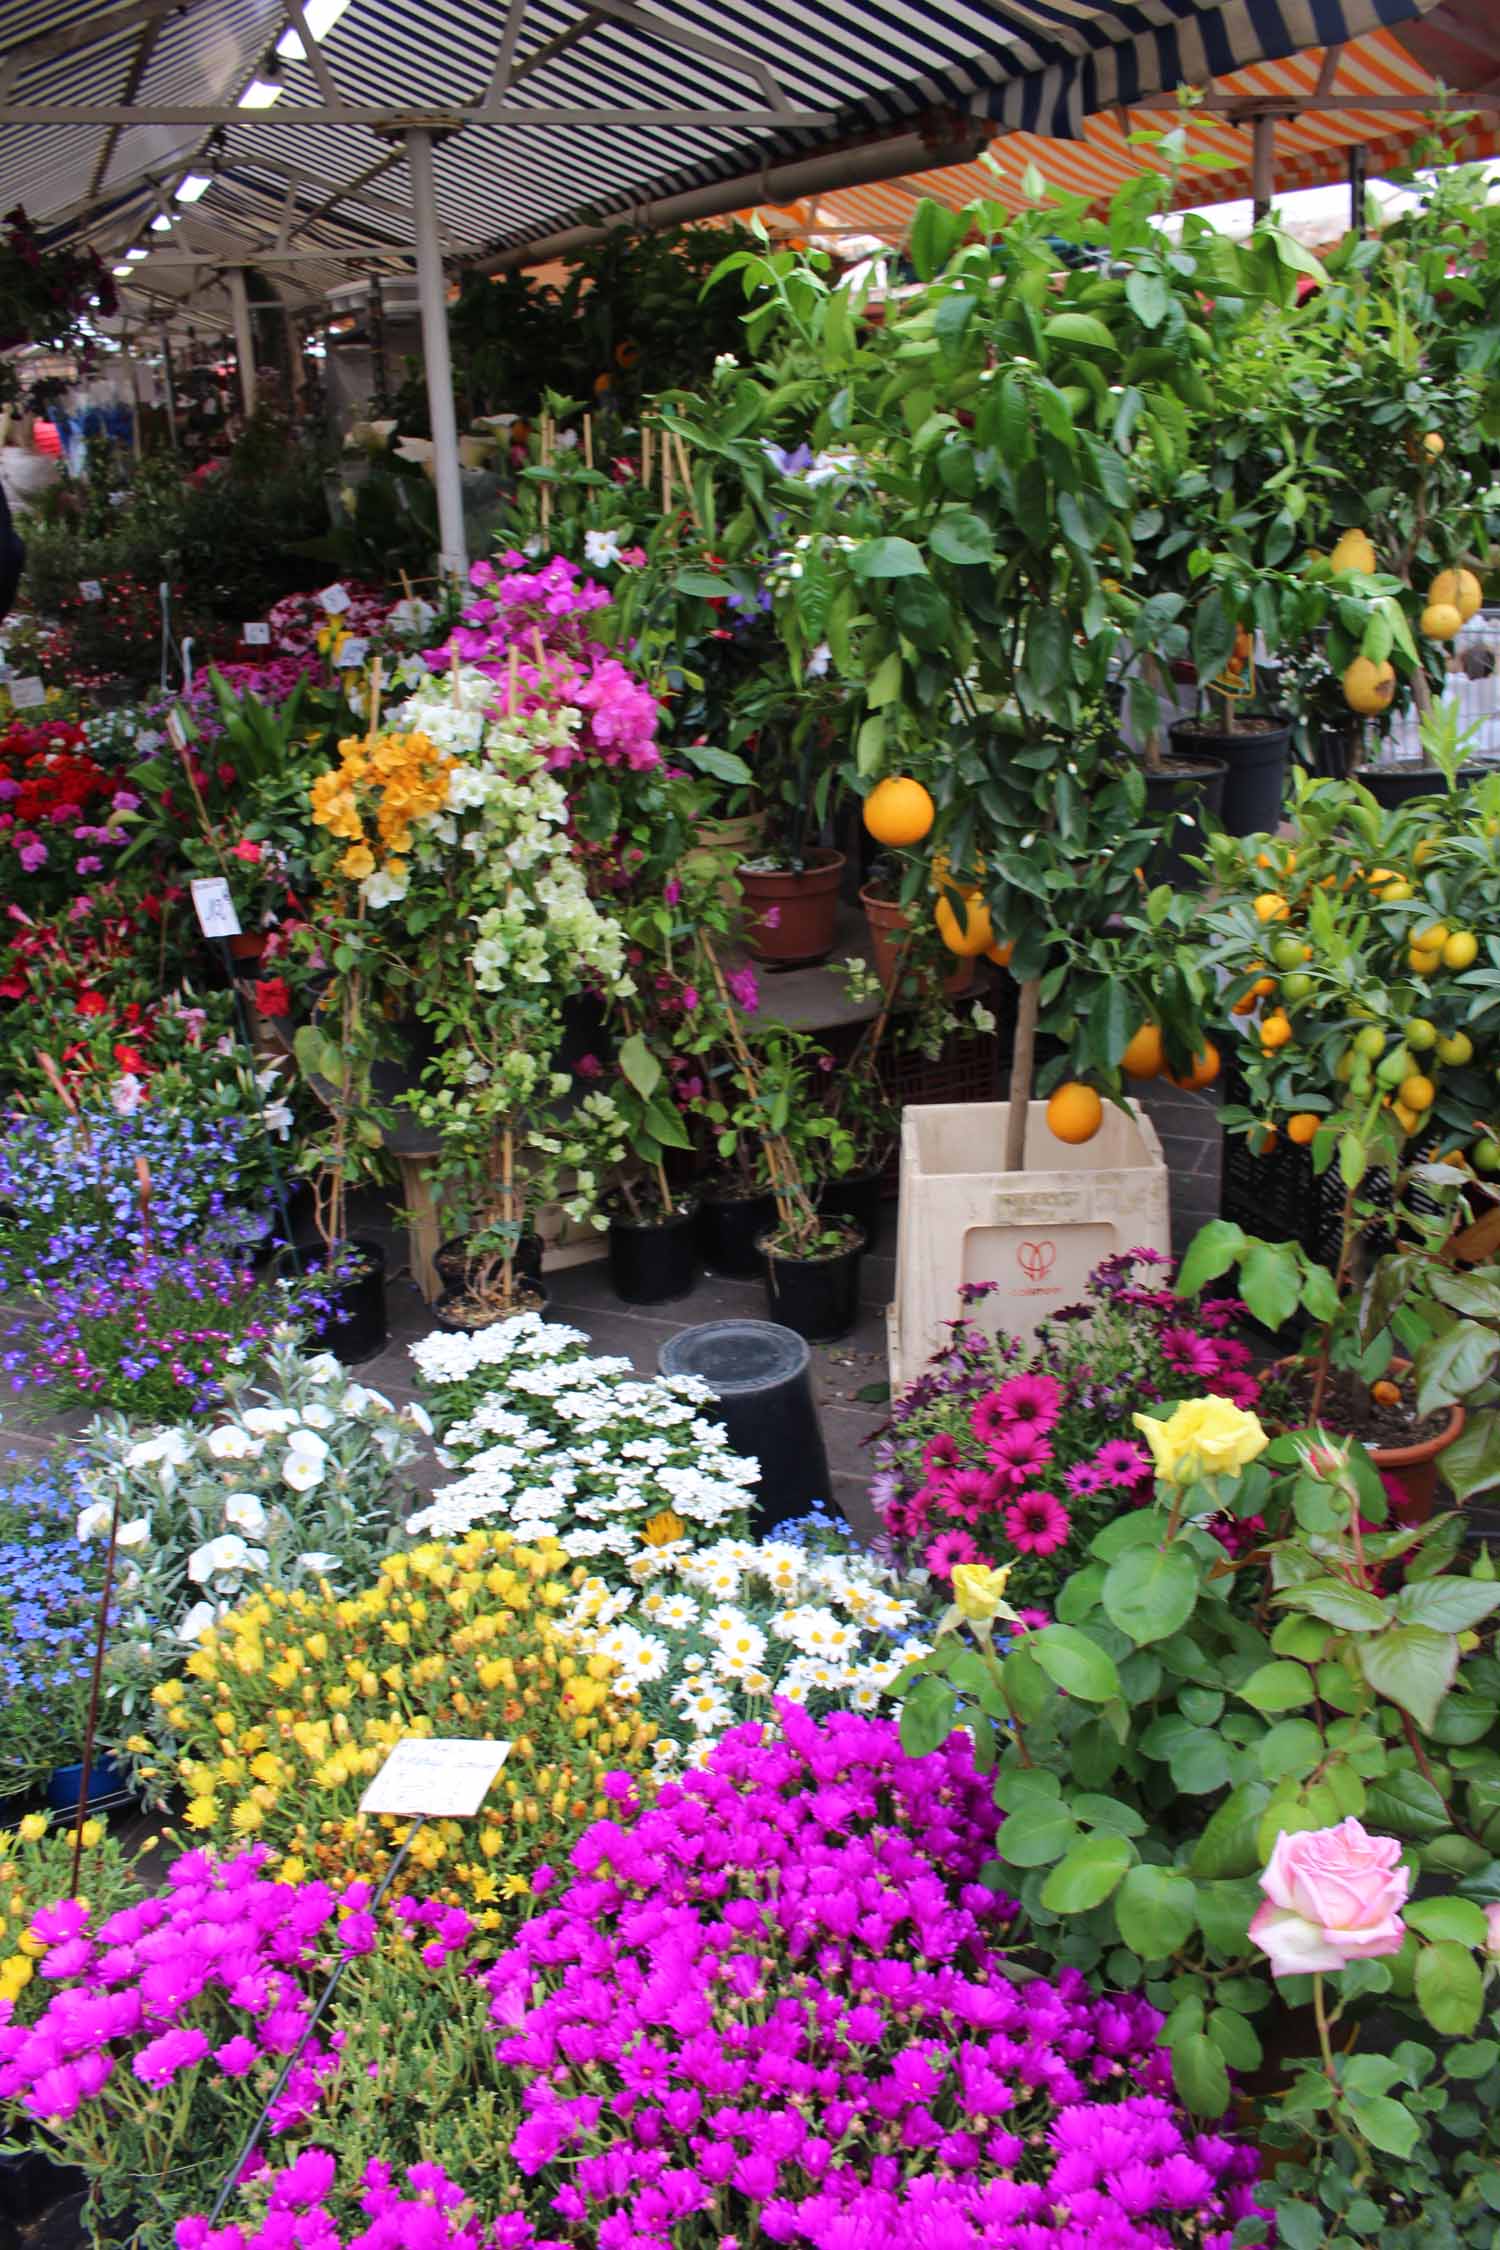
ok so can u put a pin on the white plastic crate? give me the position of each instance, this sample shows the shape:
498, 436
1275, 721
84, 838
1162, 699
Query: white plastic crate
1036, 1234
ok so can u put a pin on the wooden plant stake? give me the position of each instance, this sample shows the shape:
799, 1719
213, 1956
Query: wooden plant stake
1021, 1070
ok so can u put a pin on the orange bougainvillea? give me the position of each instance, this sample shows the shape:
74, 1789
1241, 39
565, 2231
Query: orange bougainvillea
382, 783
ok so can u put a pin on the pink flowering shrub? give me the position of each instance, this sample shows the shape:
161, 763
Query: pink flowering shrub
528, 632
1010, 1452
774, 2007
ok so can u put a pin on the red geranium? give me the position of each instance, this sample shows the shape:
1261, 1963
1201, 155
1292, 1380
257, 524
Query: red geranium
273, 996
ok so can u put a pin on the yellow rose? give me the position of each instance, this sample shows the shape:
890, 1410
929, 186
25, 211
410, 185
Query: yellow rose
1204, 1437
980, 1591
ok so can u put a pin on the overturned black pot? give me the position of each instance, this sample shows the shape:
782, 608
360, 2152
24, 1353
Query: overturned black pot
653, 1261
817, 1297
729, 1232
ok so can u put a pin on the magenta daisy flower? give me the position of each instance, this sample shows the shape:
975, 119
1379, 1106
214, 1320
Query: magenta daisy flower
1031, 1398
950, 1548
1189, 1353
1084, 1477
1037, 1523
1121, 1463
1232, 1353
969, 1492
1032, 1620
1018, 1455
940, 1453
1242, 1390
1221, 1312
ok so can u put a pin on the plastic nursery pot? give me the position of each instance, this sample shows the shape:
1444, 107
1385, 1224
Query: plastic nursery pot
1181, 793
817, 1298
451, 1258
458, 1314
653, 1261
109, 1784
888, 922
1413, 1469
729, 1229
859, 1196
759, 1373
356, 1324
1257, 762
791, 913
1396, 785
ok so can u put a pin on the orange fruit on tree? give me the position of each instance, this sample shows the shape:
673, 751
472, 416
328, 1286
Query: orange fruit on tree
1354, 551
1145, 1055
1422, 963
1000, 954
971, 936
1075, 1112
1201, 1072
1301, 1127
1459, 589
1460, 951
1246, 1006
1441, 621
1276, 1030
898, 811
1407, 1119
1368, 687
1416, 1092
1270, 906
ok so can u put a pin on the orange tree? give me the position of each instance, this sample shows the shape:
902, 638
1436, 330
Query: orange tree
972, 576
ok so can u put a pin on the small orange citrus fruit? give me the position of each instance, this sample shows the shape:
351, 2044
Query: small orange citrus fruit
1075, 1112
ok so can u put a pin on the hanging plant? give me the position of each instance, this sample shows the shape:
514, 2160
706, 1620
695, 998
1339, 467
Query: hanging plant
44, 294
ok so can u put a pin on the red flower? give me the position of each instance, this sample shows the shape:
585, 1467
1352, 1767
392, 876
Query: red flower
272, 996
129, 1058
92, 1004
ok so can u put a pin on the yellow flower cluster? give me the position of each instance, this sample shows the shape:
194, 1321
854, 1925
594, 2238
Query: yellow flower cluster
23, 1889
391, 780
294, 1702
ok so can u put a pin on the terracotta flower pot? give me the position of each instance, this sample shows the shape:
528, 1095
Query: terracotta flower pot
1412, 1469
888, 924
791, 914
735, 837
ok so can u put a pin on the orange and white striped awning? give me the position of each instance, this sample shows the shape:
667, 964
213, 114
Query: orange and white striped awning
1312, 143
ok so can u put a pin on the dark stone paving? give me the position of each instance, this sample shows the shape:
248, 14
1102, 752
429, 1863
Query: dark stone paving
582, 1296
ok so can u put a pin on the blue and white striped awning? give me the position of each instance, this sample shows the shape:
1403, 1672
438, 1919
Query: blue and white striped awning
103, 103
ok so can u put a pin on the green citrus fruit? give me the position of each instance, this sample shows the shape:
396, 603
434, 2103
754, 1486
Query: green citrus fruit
1421, 1034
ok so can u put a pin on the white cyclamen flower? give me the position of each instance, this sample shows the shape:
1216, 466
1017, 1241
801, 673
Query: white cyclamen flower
231, 1442
246, 1512
227, 1552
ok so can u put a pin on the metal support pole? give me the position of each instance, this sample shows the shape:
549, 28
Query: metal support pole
1263, 165
1359, 161
452, 555
244, 339
169, 390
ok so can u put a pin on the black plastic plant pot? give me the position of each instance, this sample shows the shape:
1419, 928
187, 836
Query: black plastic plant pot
760, 1375
653, 1261
356, 1325
859, 1196
453, 1257
729, 1232
1395, 786
456, 1312
1182, 794
817, 1298
1257, 762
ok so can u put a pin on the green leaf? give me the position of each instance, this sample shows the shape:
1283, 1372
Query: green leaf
1289, 1750
1037, 1835
1270, 1282
1155, 1911
869, 747
703, 583
1079, 328
884, 684
927, 1715
722, 764
1281, 1686
1349, 1608
1451, 1367
1148, 297
1227, 1845
959, 536
1299, 2226
1472, 1462
640, 1065
1086, 1877
1385, 2124
1199, 2075
1450, 1988
1212, 1251
935, 233
1411, 1665
1458, 1919
1075, 1663
1475, 2061
1448, 1605
887, 558
1235, 2037
1151, 1592
1407, 1804
1224, 1911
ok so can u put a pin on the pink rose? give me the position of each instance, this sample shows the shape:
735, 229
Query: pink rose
1492, 1932
1332, 1895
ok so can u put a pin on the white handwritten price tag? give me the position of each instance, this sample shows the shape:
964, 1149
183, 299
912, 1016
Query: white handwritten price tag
214, 907
91, 590
334, 599
25, 695
350, 652
443, 1777
258, 636
117, 499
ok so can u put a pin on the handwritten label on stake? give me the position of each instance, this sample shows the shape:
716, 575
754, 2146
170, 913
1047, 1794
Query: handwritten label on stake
350, 654
444, 1777
334, 599
27, 694
214, 907
91, 590
258, 636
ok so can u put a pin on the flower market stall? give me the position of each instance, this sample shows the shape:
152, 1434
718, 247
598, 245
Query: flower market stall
719, 764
